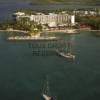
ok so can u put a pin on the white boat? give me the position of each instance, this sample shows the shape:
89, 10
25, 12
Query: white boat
66, 54
46, 97
46, 92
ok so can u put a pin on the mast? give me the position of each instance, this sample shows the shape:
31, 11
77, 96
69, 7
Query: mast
69, 47
46, 89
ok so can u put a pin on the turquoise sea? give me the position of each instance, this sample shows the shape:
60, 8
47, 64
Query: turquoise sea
22, 74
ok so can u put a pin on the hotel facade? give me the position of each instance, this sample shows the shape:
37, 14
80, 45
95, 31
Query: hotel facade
51, 19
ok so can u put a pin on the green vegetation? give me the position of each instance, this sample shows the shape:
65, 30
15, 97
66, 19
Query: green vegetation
23, 24
6, 25
92, 21
66, 1
35, 28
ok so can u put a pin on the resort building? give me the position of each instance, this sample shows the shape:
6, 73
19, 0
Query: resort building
51, 19
84, 12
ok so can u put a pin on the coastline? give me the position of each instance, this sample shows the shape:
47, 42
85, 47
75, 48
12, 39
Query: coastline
89, 30
11, 30
38, 37
51, 31
76, 31
65, 31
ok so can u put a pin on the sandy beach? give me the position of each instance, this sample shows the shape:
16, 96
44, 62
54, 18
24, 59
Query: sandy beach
11, 30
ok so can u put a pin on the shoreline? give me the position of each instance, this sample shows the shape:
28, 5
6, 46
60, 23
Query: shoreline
38, 37
76, 31
11, 30
64, 31
89, 30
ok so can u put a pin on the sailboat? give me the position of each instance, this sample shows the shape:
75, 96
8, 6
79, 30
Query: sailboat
67, 54
46, 92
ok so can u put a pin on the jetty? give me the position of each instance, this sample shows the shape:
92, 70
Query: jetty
31, 38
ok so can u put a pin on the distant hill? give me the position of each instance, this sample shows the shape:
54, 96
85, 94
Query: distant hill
95, 2
67, 1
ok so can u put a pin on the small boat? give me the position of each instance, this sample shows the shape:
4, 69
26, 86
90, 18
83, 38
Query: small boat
46, 92
67, 54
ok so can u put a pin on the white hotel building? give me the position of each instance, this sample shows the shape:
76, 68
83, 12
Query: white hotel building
52, 19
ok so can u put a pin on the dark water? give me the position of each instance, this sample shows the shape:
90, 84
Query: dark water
22, 75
